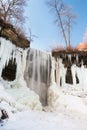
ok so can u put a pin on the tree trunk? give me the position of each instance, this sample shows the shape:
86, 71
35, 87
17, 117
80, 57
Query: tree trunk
61, 24
69, 32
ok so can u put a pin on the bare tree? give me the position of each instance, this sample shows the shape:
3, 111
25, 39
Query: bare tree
63, 16
12, 10
57, 7
69, 20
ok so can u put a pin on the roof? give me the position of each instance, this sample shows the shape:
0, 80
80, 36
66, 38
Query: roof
82, 46
8, 32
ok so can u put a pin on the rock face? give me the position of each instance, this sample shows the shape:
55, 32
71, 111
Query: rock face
69, 57
9, 72
8, 32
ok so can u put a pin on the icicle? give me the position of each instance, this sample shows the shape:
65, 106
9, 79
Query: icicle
69, 57
5, 53
62, 73
77, 58
58, 67
21, 63
57, 72
10, 51
2, 46
73, 70
48, 68
53, 70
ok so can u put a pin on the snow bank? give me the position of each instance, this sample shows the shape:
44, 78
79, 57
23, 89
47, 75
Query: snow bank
17, 99
26, 97
60, 100
8, 103
22, 94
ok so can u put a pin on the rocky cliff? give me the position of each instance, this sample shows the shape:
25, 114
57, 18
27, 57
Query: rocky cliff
7, 31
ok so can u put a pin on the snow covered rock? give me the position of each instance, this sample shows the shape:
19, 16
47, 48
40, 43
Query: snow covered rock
4, 114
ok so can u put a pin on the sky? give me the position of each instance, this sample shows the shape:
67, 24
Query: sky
47, 35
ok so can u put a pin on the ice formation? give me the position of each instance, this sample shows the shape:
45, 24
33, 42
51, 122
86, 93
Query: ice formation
82, 75
23, 96
65, 96
6, 48
59, 72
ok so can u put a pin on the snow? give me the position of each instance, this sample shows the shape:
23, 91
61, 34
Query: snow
25, 96
36, 120
14, 101
65, 111
8, 102
22, 95
61, 99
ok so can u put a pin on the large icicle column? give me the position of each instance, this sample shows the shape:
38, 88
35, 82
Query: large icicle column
10, 53
37, 73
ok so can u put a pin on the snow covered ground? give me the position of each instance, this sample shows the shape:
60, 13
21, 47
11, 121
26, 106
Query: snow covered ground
48, 119
38, 120
70, 105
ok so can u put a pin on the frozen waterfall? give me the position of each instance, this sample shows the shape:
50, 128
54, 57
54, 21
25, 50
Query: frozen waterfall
40, 69
37, 72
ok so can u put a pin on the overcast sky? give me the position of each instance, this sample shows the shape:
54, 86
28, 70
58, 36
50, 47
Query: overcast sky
41, 22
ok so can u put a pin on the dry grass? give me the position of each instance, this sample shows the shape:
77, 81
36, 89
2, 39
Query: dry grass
67, 49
